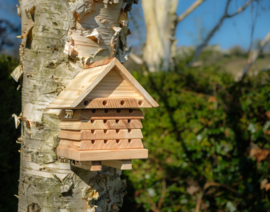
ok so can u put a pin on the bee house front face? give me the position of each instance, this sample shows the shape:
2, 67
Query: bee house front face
101, 119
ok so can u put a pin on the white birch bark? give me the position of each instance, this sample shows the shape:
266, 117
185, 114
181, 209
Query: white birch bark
160, 20
58, 38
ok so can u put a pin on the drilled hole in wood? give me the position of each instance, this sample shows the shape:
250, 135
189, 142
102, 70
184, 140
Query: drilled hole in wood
122, 102
140, 102
117, 141
86, 103
106, 111
93, 111
105, 131
129, 140
93, 131
117, 131
105, 141
93, 141
105, 103
118, 111
129, 120
92, 121
117, 120
129, 130
130, 111
104, 121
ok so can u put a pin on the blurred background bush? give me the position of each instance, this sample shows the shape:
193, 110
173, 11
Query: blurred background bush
208, 141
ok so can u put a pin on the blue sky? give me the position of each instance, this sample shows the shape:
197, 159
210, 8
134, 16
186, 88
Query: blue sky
234, 31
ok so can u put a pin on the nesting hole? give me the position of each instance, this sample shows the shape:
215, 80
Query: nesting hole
117, 141
105, 131
93, 141
123, 102
93, 131
104, 121
140, 102
117, 131
129, 120
85, 103
104, 102
93, 111
92, 121
129, 140
129, 130
130, 111
105, 141
117, 121
106, 111
118, 111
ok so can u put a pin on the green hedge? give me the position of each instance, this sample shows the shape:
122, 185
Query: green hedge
199, 140
9, 155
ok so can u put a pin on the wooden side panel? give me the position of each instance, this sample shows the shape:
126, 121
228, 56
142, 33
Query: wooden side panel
118, 164
101, 124
114, 85
100, 155
114, 103
104, 114
100, 134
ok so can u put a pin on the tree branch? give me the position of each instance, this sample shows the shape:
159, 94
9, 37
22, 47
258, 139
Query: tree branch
241, 9
199, 49
252, 58
189, 10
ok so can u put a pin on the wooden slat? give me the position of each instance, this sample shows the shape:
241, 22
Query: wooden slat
118, 164
101, 124
102, 144
114, 103
87, 165
96, 166
101, 155
104, 114
100, 134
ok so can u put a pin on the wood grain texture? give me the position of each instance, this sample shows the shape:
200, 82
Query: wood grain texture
102, 144
114, 103
118, 164
87, 165
109, 81
101, 155
101, 124
98, 63
101, 134
107, 114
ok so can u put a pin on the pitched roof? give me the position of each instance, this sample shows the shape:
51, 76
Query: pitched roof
101, 81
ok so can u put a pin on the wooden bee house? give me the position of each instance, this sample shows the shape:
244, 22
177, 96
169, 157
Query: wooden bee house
101, 117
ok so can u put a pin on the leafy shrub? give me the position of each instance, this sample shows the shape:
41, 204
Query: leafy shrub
199, 142
9, 155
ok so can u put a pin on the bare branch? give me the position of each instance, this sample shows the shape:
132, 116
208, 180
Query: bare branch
189, 10
252, 58
218, 25
241, 9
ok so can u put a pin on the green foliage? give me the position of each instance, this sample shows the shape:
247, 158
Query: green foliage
199, 140
9, 155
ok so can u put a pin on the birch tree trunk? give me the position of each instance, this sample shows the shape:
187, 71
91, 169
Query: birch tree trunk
58, 38
160, 20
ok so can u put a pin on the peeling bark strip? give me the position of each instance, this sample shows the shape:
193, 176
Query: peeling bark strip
60, 38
